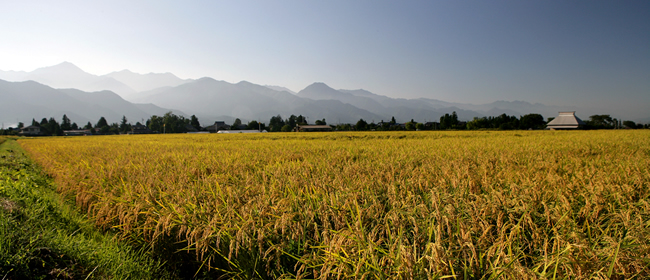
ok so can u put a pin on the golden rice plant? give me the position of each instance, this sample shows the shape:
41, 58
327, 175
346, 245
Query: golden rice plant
425, 205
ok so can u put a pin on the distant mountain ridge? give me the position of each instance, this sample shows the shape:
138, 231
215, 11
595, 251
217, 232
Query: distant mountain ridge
24, 101
210, 99
67, 75
145, 82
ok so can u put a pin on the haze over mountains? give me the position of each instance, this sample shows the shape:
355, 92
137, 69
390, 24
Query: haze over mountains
66, 89
24, 101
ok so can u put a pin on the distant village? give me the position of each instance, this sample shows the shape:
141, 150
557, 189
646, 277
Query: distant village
171, 123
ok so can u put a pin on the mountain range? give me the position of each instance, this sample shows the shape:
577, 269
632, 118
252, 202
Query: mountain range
24, 101
67, 89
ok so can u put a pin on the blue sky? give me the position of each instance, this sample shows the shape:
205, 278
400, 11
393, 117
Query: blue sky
554, 52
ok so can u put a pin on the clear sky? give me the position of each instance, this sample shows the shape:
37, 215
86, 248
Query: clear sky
554, 52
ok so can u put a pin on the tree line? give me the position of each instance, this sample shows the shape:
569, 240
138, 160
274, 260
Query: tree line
172, 123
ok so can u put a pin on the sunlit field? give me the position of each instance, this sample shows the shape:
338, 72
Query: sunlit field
524, 204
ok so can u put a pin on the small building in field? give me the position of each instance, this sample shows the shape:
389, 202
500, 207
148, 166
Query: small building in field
78, 132
190, 128
312, 128
432, 125
32, 130
565, 120
241, 131
140, 129
217, 126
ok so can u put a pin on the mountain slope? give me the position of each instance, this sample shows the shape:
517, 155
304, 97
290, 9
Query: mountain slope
209, 99
321, 91
145, 82
23, 101
67, 75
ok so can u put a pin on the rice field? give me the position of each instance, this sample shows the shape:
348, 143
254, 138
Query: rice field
394, 205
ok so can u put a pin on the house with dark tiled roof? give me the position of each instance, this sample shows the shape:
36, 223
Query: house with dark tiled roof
32, 130
312, 128
140, 129
218, 125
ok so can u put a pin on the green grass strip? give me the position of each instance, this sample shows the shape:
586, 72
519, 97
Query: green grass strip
43, 237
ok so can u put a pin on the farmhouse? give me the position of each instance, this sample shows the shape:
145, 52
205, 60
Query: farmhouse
190, 128
312, 128
432, 125
32, 130
565, 120
242, 131
78, 132
217, 126
140, 129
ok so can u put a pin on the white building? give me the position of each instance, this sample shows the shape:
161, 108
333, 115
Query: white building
242, 131
565, 120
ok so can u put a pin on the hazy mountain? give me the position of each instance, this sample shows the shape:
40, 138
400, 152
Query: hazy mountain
321, 91
383, 100
12, 75
145, 82
23, 101
279, 88
209, 99
67, 75
385, 107
422, 109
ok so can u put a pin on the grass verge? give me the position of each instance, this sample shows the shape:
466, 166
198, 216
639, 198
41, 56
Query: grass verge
43, 237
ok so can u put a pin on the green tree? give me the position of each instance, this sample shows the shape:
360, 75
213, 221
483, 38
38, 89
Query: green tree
254, 125
65, 123
172, 123
194, 121
155, 123
236, 124
292, 121
276, 123
449, 121
410, 125
344, 127
630, 124
532, 121
505, 122
301, 120
600, 122
419, 126
361, 125
286, 128
385, 125
101, 123
321, 122
125, 126
54, 127
45, 127
478, 123
102, 126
